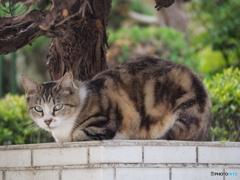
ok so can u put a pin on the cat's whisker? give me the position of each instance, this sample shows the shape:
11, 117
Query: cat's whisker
66, 123
33, 131
28, 129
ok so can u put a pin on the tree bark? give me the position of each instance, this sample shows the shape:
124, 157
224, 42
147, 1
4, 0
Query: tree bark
81, 46
174, 17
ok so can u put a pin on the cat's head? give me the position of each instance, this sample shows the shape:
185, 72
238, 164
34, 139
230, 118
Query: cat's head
52, 104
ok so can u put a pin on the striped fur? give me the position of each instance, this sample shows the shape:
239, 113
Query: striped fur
145, 98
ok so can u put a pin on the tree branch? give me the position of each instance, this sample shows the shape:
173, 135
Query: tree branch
11, 30
163, 3
20, 39
31, 15
57, 15
21, 30
143, 18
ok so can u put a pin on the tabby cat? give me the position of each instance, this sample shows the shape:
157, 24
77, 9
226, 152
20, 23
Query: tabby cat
144, 98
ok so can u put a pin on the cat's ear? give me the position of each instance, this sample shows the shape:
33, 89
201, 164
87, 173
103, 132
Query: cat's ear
66, 83
30, 86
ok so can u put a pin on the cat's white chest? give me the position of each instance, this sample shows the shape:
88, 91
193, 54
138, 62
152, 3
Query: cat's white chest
62, 134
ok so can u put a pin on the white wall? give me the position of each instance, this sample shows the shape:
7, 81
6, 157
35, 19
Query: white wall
121, 160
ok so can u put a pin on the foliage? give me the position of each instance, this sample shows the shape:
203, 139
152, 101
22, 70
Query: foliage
220, 19
16, 127
224, 89
15, 8
165, 42
120, 9
210, 62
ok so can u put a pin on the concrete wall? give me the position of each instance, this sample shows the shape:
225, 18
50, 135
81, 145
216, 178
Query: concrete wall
121, 160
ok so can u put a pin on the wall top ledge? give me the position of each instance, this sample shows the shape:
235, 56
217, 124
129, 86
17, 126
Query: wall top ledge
121, 143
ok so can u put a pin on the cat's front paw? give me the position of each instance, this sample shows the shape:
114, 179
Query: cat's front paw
80, 135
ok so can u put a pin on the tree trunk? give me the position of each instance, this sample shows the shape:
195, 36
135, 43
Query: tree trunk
174, 17
80, 46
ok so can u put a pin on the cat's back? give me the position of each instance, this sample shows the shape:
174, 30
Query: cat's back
143, 69
143, 65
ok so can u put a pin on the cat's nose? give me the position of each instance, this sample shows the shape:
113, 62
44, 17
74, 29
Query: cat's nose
48, 121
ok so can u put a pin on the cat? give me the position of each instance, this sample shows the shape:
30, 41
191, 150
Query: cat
143, 98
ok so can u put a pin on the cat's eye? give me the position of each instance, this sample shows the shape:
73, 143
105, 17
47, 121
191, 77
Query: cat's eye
57, 107
38, 109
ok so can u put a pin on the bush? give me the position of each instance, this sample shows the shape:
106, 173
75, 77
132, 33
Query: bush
210, 62
165, 42
220, 20
16, 126
224, 89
